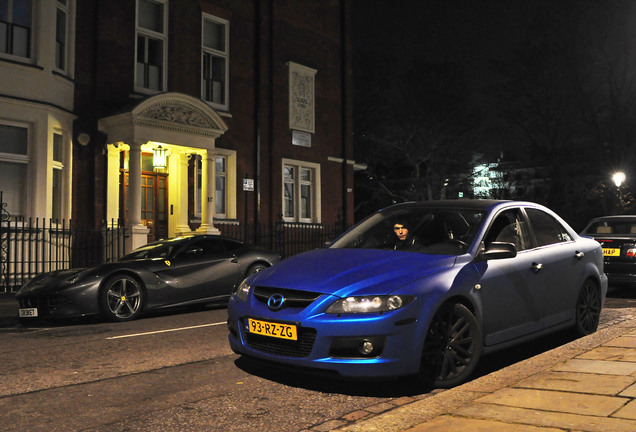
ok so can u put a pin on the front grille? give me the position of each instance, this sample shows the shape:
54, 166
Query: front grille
45, 303
283, 347
293, 298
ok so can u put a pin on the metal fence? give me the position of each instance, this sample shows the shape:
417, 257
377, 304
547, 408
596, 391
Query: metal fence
36, 245
286, 238
29, 247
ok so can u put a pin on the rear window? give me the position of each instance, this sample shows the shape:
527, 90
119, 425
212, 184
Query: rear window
621, 227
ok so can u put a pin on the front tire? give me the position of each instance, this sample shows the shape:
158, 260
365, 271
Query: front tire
121, 298
452, 347
588, 309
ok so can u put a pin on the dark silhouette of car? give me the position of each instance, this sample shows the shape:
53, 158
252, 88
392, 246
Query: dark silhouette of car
470, 277
617, 236
181, 271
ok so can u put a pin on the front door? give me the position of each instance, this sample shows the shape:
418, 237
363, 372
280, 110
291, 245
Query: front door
154, 203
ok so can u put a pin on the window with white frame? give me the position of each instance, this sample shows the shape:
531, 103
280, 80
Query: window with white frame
215, 61
301, 188
61, 34
220, 192
58, 176
152, 37
221, 185
14, 163
15, 27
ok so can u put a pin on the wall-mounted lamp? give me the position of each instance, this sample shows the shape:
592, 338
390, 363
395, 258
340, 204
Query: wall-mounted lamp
159, 157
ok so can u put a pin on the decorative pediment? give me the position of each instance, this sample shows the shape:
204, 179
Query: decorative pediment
173, 118
178, 113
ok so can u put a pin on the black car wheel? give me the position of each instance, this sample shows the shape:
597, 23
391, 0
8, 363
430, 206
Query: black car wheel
121, 298
452, 348
588, 309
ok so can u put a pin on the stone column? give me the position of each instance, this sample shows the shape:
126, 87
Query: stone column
139, 232
112, 184
207, 195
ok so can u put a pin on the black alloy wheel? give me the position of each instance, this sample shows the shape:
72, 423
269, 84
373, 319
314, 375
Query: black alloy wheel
452, 347
121, 298
588, 309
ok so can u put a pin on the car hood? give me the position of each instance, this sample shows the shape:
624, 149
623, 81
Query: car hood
49, 280
344, 272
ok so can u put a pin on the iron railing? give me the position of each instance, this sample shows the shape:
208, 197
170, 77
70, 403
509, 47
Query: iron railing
286, 238
30, 246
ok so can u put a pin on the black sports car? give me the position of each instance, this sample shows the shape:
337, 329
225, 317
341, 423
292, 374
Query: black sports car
617, 236
181, 271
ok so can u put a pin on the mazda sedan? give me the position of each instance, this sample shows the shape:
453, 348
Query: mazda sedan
183, 271
422, 289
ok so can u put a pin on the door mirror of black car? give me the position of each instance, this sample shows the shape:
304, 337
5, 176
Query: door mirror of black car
497, 250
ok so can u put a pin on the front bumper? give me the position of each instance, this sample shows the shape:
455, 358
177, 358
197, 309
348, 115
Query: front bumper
60, 302
392, 341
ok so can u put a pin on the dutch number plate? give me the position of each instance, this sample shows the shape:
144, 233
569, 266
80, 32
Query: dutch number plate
611, 252
277, 330
28, 312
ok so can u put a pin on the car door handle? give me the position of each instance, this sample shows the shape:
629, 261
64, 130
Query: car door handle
579, 254
235, 260
536, 267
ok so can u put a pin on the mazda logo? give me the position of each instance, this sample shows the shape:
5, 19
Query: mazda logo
276, 301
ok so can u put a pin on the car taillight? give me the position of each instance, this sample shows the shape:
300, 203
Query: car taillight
631, 253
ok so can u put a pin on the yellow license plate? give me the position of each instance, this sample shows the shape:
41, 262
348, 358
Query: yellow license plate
611, 252
277, 330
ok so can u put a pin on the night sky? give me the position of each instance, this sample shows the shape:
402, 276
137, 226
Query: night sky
468, 32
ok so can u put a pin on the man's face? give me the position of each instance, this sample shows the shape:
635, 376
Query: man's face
400, 231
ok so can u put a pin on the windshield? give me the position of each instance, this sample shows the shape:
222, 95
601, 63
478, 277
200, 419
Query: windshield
439, 231
151, 250
608, 226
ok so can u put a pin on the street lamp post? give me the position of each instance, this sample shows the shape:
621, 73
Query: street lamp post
619, 178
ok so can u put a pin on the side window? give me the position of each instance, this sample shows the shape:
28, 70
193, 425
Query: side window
203, 248
231, 245
547, 230
509, 227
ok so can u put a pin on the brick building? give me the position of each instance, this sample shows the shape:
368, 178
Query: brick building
177, 116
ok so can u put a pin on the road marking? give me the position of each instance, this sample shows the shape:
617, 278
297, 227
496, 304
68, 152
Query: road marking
165, 331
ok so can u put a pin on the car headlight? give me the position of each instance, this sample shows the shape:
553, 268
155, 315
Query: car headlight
369, 304
243, 291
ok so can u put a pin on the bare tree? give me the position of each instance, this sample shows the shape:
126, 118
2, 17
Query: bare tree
413, 131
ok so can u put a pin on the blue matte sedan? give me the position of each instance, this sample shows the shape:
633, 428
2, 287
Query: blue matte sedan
422, 289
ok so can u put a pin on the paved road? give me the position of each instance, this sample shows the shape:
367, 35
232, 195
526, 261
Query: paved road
176, 372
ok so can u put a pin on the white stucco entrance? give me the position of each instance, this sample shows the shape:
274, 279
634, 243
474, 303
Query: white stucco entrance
183, 125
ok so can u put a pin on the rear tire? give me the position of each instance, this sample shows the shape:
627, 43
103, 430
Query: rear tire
588, 309
254, 268
452, 348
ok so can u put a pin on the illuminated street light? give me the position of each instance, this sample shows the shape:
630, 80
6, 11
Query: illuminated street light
619, 178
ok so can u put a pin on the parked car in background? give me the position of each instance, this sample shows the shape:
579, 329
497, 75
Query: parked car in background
181, 271
617, 236
422, 289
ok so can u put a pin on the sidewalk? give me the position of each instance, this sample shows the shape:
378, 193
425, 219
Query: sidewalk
588, 384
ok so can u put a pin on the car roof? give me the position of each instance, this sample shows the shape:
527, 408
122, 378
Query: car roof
473, 204
615, 217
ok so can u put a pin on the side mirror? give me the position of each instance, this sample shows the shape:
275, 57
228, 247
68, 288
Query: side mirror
498, 250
